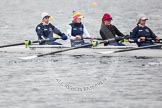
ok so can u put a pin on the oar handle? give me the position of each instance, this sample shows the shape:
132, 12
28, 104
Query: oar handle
150, 39
147, 39
116, 38
92, 38
119, 38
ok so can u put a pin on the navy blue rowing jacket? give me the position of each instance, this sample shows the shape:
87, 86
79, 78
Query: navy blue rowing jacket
140, 31
77, 29
45, 29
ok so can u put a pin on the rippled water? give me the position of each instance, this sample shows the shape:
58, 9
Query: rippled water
63, 81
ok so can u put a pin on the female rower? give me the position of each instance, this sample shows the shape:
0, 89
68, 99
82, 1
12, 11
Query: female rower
142, 34
109, 31
45, 31
76, 30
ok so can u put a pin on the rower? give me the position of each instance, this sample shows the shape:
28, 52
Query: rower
141, 32
76, 30
109, 31
45, 31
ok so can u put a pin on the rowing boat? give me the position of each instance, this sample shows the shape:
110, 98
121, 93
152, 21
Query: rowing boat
41, 49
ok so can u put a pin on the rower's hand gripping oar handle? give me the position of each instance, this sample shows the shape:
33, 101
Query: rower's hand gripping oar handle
118, 39
147, 39
150, 39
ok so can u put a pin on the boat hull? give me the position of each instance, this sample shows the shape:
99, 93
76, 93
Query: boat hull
41, 49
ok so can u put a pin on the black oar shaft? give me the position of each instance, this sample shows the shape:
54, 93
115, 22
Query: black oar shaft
92, 38
11, 45
144, 47
3, 46
82, 46
55, 52
116, 38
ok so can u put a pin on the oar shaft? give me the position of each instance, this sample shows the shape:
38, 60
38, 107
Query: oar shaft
116, 38
92, 38
131, 49
86, 45
12, 45
82, 46
3, 46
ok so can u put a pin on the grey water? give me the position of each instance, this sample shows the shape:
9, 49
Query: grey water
83, 81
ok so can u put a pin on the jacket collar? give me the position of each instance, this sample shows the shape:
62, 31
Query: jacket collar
140, 25
45, 23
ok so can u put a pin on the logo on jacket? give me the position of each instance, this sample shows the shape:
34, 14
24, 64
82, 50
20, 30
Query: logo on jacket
38, 28
74, 28
81, 29
45, 29
50, 29
147, 30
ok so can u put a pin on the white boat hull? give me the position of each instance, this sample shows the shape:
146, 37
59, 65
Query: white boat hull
41, 49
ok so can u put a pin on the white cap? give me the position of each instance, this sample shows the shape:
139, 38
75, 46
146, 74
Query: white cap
142, 16
44, 14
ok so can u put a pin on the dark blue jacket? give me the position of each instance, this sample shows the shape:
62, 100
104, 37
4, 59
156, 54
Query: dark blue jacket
45, 30
77, 29
140, 31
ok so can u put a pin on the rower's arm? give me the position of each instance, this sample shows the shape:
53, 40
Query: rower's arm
153, 36
133, 34
56, 30
69, 33
39, 32
118, 32
86, 34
